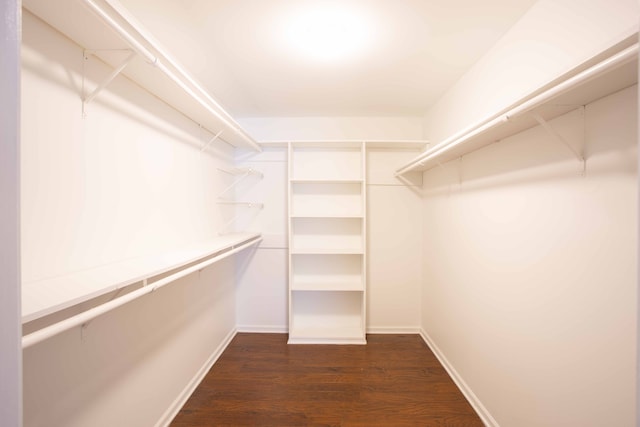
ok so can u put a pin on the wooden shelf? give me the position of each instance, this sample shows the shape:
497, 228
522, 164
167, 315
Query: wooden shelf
77, 21
43, 297
612, 71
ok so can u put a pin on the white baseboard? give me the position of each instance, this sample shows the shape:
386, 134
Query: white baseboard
182, 398
480, 409
261, 329
393, 330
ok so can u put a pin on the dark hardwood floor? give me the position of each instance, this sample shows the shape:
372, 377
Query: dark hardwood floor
394, 380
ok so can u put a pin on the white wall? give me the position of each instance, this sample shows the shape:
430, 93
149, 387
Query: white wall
319, 128
262, 274
394, 245
552, 38
394, 272
128, 179
10, 328
530, 271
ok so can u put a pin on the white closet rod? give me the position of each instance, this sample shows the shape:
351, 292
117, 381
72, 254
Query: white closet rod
84, 317
461, 137
182, 79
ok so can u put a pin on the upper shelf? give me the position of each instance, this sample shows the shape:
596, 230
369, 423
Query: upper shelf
608, 73
105, 26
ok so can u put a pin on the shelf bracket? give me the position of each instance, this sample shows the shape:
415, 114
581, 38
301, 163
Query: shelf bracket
85, 325
243, 174
247, 204
558, 138
115, 73
226, 227
211, 141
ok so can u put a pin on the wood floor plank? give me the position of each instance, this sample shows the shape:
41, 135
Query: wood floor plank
260, 380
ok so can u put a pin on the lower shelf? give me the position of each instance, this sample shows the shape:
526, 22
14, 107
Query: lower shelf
327, 317
327, 336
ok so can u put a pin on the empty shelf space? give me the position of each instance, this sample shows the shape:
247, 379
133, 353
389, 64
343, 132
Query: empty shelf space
329, 285
319, 335
326, 317
47, 296
326, 199
327, 251
326, 164
327, 272
326, 235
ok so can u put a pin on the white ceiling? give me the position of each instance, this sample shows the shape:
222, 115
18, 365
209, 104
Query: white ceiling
244, 54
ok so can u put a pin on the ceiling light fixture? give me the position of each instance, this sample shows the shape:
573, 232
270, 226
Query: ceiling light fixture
327, 32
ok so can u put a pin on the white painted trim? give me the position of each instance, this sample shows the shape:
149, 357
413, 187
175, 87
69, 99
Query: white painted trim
262, 329
414, 330
477, 405
181, 399
11, 406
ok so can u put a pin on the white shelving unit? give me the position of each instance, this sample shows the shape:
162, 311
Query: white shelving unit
327, 243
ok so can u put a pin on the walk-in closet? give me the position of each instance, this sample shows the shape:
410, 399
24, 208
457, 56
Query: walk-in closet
281, 212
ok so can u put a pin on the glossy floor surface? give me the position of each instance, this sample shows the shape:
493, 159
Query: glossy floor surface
394, 380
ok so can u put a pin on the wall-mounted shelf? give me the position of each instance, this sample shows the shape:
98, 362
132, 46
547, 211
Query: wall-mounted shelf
107, 29
44, 297
610, 72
